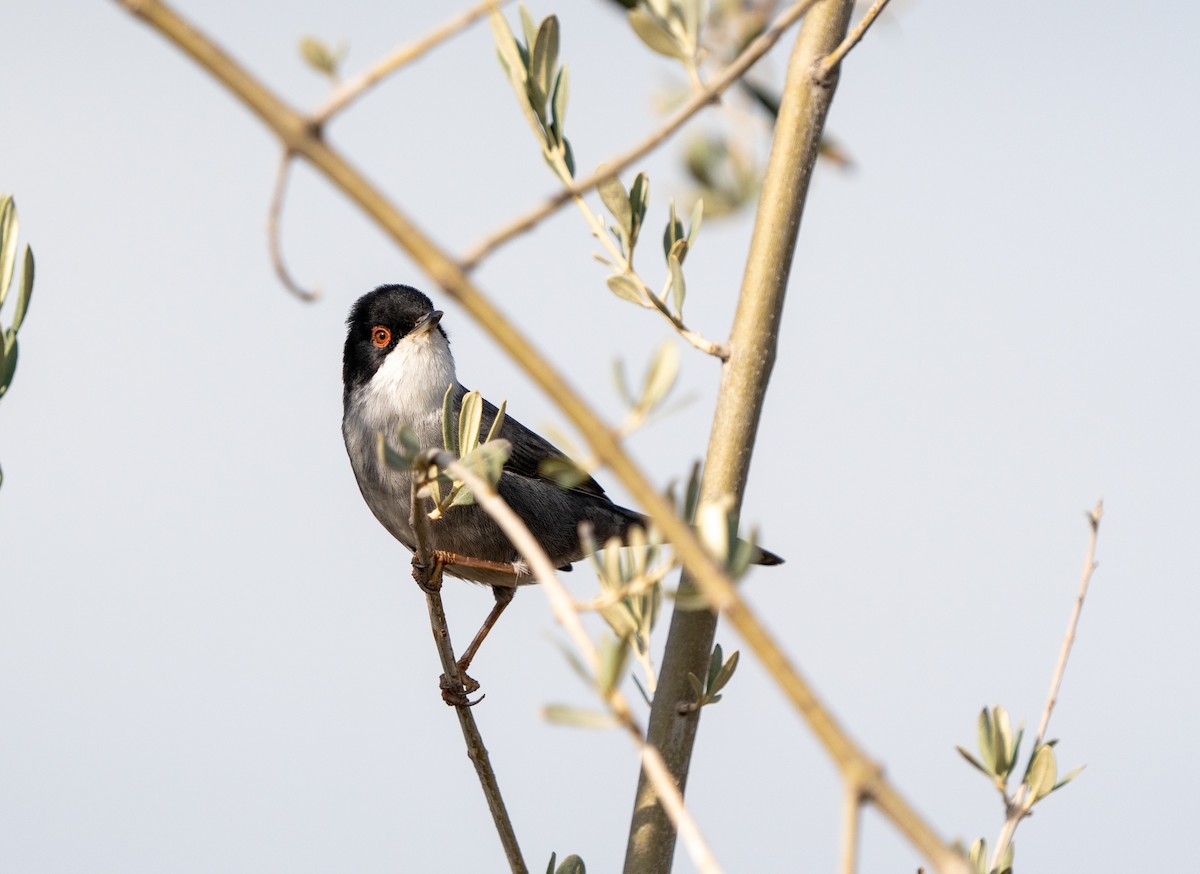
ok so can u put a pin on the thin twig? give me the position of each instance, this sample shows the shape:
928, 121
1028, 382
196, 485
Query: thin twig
830, 62
476, 751
1019, 809
612, 167
352, 89
563, 608
295, 131
273, 244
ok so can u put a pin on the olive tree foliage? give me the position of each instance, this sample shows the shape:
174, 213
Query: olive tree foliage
714, 44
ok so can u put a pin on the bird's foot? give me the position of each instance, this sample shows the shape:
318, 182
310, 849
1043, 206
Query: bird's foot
456, 694
428, 576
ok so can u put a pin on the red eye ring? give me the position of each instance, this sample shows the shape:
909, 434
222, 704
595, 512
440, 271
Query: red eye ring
380, 336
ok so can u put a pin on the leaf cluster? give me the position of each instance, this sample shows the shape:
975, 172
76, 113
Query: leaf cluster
708, 690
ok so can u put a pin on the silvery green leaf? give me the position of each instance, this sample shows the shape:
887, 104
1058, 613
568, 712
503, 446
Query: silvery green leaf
395, 459
692, 496
613, 656
568, 157
498, 422
1006, 859
545, 54
1071, 775
715, 660
1002, 740
673, 231
639, 194
622, 286
690, 21
558, 103
612, 192
9, 228
8, 366
678, 287
697, 216
506, 48
563, 472
26, 290
978, 856
1042, 773
617, 616
1016, 751
974, 761
660, 376
725, 674
319, 56
571, 865
528, 28
652, 31
986, 748
697, 686
449, 432
612, 561
470, 416
550, 867
577, 717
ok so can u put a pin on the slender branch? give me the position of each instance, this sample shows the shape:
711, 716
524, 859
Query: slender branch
827, 64
296, 133
705, 97
273, 244
564, 611
352, 89
1018, 809
476, 751
651, 301
851, 819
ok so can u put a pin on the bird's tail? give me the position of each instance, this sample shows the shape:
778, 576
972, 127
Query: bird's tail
631, 518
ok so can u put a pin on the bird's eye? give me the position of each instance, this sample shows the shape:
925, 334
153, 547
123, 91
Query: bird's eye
380, 336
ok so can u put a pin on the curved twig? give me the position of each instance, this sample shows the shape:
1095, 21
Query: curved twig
834, 58
708, 95
273, 244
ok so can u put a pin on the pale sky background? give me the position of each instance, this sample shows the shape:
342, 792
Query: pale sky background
212, 657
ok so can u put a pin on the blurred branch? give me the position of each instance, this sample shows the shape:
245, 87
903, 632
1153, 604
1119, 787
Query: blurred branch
564, 611
429, 577
298, 135
354, 88
700, 99
273, 244
1018, 809
851, 819
827, 64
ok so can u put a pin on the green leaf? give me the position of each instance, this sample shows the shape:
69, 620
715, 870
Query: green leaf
1016, 752
1071, 775
613, 656
612, 192
1006, 859
639, 197
527, 25
692, 496
1002, 740
978, 856
498, 422
725, 674
986, 749
449, 433
403, 458
694, 228
577, 717
678, 287
714, 665
563, 472
544, 58
571, 865
673, 231
1042, 773
558, 103
319, 56
26, 290
696, 685
661, 376
470, 416
975, 762
623, 286
9, 227
652, 31
8, 366
550, 867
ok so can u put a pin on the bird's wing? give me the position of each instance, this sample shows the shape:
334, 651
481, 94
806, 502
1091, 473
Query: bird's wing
529, 450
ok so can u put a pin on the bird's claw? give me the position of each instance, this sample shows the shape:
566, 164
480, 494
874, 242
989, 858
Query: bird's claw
428, 576
456, 694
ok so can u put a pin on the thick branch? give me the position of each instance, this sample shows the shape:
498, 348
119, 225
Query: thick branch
297, 134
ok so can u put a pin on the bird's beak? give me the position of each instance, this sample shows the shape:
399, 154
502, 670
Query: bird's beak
427, 323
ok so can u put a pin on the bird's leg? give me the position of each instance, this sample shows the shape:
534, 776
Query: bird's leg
504, 596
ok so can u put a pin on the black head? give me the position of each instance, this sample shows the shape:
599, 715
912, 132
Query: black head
377, 322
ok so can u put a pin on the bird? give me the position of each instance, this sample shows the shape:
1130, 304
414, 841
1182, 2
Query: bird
396, 369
